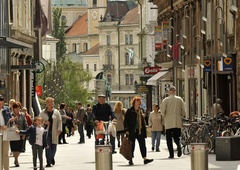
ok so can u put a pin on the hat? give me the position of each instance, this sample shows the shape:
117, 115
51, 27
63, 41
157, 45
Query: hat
1, 98
101, 95
172, 88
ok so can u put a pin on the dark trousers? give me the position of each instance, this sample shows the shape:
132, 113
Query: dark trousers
37, 151
174, 133
63, 134
81, 132
112, 141
89, 129
142, 144
51, 150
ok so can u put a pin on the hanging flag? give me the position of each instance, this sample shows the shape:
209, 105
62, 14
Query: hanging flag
175, 50
158, 38
165, 28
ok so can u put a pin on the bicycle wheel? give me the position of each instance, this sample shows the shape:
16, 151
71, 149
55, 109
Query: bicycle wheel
226, 133
209, 143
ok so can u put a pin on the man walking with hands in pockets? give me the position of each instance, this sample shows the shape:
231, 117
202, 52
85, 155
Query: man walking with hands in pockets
172, 110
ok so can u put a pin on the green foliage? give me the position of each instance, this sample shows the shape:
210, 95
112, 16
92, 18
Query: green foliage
59, 33
65, 82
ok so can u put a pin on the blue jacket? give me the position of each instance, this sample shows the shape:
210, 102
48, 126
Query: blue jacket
31, 131
6, 114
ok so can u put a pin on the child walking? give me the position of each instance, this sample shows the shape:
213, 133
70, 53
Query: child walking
37, 138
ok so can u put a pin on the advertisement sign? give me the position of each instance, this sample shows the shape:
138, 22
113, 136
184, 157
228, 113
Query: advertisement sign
151, 70
228, 63
207, 65
158, 38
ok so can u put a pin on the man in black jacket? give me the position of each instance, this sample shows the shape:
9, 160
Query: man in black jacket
102, 111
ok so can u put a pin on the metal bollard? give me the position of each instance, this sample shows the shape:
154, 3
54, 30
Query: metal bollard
199, 156
103, 157
1, 152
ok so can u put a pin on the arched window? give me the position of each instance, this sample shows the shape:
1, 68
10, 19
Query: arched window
109, 57
109, 79
128, 59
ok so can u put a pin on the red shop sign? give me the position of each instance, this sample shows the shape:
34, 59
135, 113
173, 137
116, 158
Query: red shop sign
152, 70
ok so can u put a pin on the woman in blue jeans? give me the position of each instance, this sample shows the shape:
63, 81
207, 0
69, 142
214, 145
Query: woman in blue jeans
155, 122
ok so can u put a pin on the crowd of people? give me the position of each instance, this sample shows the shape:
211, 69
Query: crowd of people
53, 125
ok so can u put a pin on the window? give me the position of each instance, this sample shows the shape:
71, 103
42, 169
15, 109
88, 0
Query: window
109, 57
128, 59
74, 47
94, 2
108, 39
95, 67
128, 39
64, 18
87, 67
109, 79
129, 78
85, 46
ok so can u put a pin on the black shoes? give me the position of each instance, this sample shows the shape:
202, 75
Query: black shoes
171, 157
130, 162
157, 150
113, 152
179, 151
65, 143
48, 165
53, 162
152, 148
146, 161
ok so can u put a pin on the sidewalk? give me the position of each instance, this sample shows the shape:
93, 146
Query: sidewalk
75, 156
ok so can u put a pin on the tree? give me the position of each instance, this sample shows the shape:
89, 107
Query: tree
65, 82
59, 33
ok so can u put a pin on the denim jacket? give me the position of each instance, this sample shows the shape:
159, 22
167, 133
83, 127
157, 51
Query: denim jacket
6, 114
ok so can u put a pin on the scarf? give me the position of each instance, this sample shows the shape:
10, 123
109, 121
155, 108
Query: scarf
139, 115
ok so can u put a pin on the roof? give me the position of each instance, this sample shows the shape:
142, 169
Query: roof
93, 50
131, 17
116, 10
79, 27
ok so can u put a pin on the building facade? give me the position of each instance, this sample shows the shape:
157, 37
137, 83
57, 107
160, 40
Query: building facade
17, 39
205, 67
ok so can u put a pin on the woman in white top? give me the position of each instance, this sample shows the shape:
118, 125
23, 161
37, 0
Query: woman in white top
155, 122
119, 112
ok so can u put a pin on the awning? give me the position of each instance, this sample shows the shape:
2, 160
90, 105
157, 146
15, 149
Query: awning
153, 80
12, 43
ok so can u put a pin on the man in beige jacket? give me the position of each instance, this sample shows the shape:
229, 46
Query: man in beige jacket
172, 110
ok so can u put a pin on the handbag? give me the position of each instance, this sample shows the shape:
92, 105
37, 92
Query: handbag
10, 134
126, 148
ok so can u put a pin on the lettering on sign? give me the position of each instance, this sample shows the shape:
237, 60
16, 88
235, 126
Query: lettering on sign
142, 89
151, 70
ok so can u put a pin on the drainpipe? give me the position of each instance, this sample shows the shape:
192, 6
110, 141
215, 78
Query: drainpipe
141, 49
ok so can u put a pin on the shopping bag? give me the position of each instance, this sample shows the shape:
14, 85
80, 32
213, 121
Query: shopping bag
112, 129
126, 148
100, 129
10, 134
149, 131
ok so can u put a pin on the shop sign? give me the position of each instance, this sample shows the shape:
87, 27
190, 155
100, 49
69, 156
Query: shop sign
142, 89
151, 70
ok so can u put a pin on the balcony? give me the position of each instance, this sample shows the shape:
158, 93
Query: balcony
108, 67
